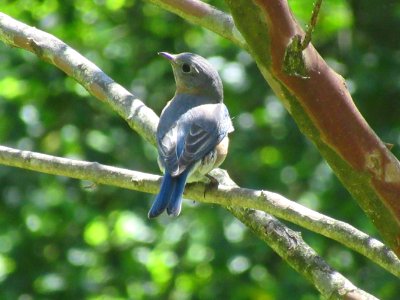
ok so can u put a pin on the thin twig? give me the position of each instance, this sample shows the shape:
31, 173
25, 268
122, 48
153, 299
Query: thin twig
311, 26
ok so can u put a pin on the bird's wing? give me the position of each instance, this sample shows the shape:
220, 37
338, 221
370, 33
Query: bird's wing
193, 136
200, 141
167, 149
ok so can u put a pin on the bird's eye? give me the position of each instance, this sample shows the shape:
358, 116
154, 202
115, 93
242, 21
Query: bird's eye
186, 68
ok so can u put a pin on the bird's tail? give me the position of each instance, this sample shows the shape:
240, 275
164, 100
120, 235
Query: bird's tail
170, 195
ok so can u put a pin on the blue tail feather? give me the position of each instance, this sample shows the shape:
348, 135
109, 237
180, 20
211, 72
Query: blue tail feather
175, 203
163, 198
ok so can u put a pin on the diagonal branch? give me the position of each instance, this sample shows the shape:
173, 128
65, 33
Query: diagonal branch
205, 15
289, 245
323, 108
52, 50
227, 194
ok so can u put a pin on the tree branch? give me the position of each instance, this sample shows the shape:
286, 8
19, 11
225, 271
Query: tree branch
289, 245
228, 195
131, 109
205, 15
52, 50
92, 171
324, 111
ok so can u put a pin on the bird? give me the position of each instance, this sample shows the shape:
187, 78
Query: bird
192, 133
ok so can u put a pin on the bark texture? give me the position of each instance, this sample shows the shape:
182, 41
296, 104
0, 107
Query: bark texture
323, 108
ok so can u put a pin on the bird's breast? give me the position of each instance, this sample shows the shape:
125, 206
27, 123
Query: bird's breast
221, 151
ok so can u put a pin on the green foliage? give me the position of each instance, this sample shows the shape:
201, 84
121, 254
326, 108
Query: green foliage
65, 239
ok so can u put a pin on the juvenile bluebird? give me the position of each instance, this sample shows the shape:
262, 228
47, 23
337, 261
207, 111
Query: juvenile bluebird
192, 134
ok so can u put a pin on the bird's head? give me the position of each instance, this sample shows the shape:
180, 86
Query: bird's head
195, 75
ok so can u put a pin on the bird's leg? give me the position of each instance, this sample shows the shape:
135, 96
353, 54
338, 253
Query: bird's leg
212, 184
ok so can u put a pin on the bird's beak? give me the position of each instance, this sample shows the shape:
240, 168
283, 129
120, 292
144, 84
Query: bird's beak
168, 56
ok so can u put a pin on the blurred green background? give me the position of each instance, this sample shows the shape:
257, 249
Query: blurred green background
61, 238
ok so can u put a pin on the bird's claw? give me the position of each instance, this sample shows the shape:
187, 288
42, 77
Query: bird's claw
212, 184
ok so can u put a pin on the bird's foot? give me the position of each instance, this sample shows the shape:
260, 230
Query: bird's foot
212, 184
